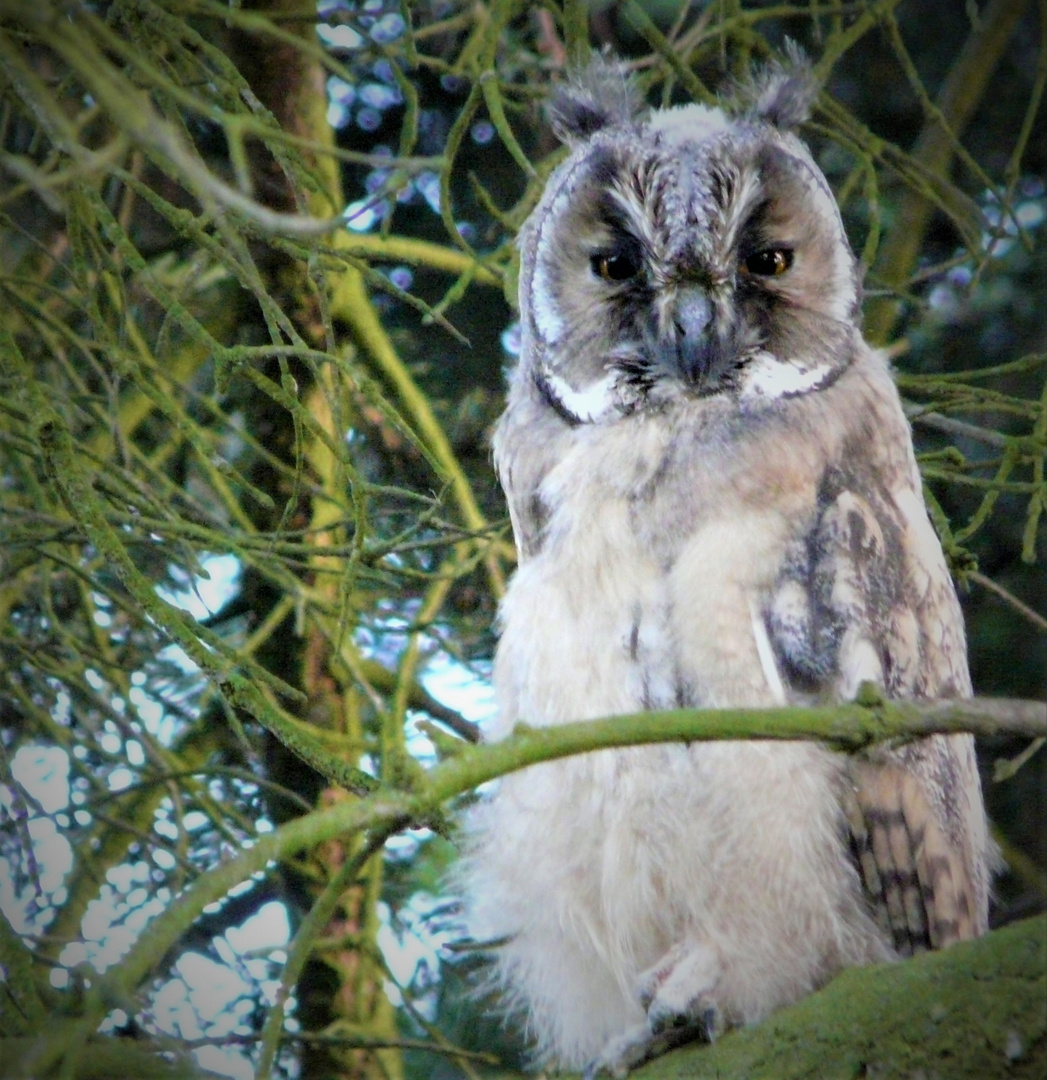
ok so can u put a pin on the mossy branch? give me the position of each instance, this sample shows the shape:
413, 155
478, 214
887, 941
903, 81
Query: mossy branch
976, 1011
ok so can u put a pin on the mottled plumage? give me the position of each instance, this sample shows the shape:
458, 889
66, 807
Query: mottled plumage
715, 500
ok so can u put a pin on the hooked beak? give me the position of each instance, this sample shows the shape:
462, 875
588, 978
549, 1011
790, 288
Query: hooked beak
691, 346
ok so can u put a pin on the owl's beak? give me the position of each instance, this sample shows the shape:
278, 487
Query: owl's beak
692, 318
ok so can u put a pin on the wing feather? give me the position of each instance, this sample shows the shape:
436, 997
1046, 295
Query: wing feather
881, 607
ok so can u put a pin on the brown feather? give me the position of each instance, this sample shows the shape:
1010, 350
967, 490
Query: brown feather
918, 877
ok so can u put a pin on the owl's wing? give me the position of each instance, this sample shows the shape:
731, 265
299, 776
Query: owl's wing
914, 829
871, 599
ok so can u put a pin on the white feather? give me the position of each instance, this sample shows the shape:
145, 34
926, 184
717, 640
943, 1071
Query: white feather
767, 378
689, 123
597, 868
543, 306
595, 402
766, 653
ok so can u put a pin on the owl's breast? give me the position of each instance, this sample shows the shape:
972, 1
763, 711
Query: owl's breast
660, 545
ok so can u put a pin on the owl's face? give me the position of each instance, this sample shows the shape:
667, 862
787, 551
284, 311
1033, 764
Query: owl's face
686, 253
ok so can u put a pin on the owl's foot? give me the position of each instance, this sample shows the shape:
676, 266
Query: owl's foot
680, 991
678, 994
634, 1047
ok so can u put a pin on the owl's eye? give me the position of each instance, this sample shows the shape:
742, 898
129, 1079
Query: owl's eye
769, 263
618, 265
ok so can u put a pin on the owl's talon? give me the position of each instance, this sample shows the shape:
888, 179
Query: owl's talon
678, 993
637, 1046
662, 1021
621, 1054
703, 1021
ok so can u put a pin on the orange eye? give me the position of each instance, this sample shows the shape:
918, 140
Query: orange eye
769, 263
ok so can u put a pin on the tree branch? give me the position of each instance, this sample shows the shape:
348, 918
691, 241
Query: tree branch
845, 727
849, 727
960, 95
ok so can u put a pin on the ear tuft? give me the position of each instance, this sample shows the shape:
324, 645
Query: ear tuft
600, 95
782, 92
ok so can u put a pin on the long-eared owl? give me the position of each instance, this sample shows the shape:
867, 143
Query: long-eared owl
716, 503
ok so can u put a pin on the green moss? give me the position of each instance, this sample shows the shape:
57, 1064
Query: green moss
976, 1011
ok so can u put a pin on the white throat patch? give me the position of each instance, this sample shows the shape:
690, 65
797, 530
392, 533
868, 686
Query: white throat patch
596, 402
766, 378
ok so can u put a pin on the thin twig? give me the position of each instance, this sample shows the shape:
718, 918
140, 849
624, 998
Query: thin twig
1022, 608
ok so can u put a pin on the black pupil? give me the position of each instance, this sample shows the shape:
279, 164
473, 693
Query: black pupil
772, 261
616, 265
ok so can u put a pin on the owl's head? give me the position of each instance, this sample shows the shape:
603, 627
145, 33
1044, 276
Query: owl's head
689, 250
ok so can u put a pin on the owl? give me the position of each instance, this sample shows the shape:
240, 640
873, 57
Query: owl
716, 504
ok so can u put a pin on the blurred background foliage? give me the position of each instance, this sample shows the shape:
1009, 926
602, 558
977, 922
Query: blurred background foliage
257, 277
